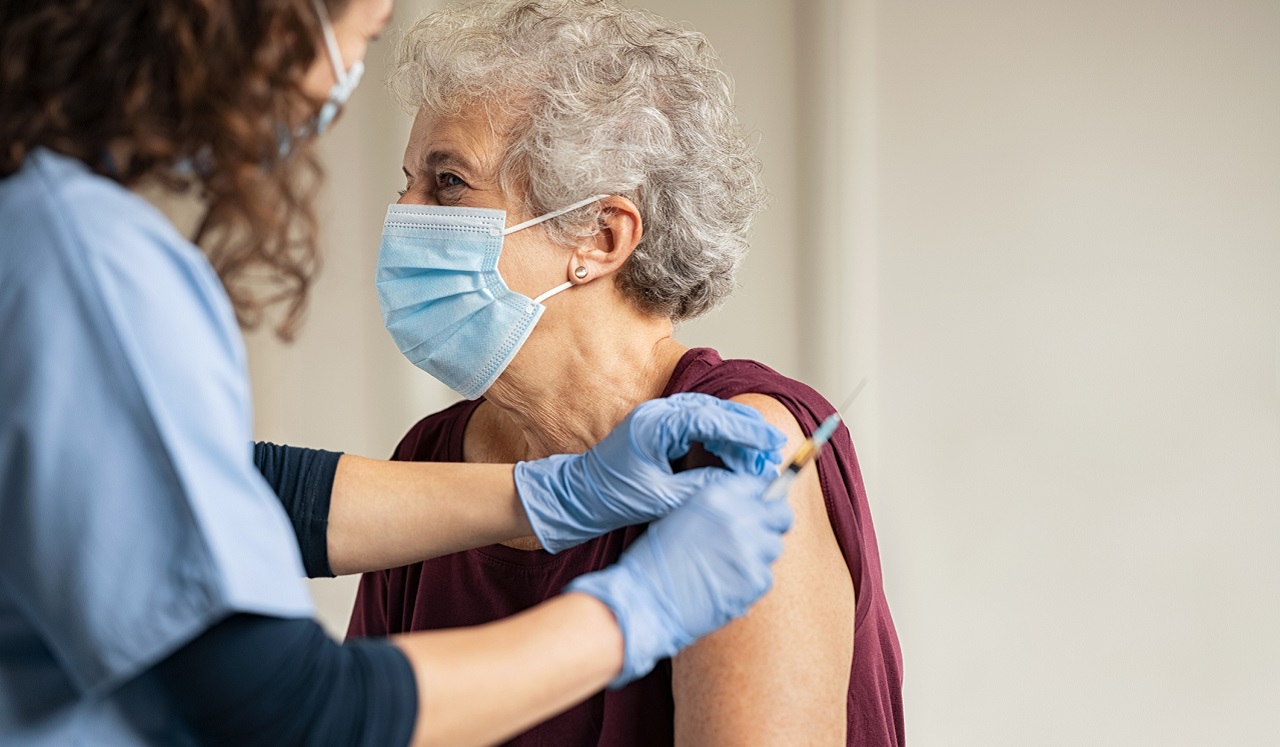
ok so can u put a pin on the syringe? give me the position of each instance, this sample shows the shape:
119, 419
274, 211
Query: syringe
810, 450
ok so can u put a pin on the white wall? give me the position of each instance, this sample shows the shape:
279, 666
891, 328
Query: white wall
1050, 233
1079, 232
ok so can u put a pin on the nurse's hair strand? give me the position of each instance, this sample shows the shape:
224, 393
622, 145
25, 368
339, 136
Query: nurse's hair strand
197, 92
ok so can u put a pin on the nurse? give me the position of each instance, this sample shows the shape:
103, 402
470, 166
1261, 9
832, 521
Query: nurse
150, 587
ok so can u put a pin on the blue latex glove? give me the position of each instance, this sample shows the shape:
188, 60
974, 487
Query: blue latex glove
627, 479
692, 571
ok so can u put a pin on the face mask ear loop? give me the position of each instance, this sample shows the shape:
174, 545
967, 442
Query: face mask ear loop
552, 292
555, 214
331, 42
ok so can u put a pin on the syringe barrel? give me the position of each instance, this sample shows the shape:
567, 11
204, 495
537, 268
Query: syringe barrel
780, 488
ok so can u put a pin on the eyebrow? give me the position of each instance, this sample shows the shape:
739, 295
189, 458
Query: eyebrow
448, 158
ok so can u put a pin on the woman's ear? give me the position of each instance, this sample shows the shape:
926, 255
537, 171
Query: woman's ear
604, 254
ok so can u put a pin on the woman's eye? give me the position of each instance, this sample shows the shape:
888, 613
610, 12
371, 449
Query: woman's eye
402, 192
448, 181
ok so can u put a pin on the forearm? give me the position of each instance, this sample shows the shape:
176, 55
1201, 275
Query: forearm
256, 681
253, 680
389, 514
483, 684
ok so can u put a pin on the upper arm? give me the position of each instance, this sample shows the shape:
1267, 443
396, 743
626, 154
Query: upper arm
780, 674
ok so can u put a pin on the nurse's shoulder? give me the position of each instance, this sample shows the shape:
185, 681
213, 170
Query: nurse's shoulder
65, 230
131, 515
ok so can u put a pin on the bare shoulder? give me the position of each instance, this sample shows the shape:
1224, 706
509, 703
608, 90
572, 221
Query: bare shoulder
778, 416
780, 674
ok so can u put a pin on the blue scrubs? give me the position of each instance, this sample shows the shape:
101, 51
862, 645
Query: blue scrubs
132, 517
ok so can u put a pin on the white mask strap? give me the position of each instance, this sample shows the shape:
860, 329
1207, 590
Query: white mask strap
555, 214
552, 292
331, 42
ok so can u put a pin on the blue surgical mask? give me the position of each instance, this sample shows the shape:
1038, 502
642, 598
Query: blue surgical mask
443, 301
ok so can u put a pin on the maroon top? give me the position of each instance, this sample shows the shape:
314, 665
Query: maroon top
489, 583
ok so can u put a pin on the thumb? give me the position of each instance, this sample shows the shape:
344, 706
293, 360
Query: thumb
778, 515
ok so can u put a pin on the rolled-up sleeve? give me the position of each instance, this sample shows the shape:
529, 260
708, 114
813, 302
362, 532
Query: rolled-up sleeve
303, 481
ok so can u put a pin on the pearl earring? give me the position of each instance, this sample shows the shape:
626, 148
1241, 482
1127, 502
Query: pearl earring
580, 273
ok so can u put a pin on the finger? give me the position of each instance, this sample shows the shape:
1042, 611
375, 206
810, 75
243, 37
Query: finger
690, 399
742, 459
778, 516
770, 547
664, 421
731, 495
742, 486
706, 400
682, 486
702, 478
761, 581
726, 426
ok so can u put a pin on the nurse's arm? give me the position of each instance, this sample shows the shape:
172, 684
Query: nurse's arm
485, 684
389, 514
352, 515
259, 681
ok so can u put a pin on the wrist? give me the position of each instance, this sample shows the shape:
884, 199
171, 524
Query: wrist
643, 624
545, 490
600, 626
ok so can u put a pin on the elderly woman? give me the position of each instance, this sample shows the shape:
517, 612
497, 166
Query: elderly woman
625, 120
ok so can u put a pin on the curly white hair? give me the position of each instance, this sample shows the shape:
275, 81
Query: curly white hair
603, 100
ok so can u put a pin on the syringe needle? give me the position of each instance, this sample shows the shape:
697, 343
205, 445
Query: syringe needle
809, 450
856, 391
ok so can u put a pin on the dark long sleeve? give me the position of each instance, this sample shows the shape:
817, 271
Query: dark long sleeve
303, 479
254, 681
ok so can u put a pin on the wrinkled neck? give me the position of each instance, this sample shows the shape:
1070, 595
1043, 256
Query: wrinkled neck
570, 386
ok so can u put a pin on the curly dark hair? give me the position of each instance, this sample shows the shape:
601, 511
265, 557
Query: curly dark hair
195, 93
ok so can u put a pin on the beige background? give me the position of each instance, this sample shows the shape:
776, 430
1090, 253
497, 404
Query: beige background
1050, 234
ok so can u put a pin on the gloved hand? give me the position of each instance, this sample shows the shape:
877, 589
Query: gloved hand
692, 571
627, 479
